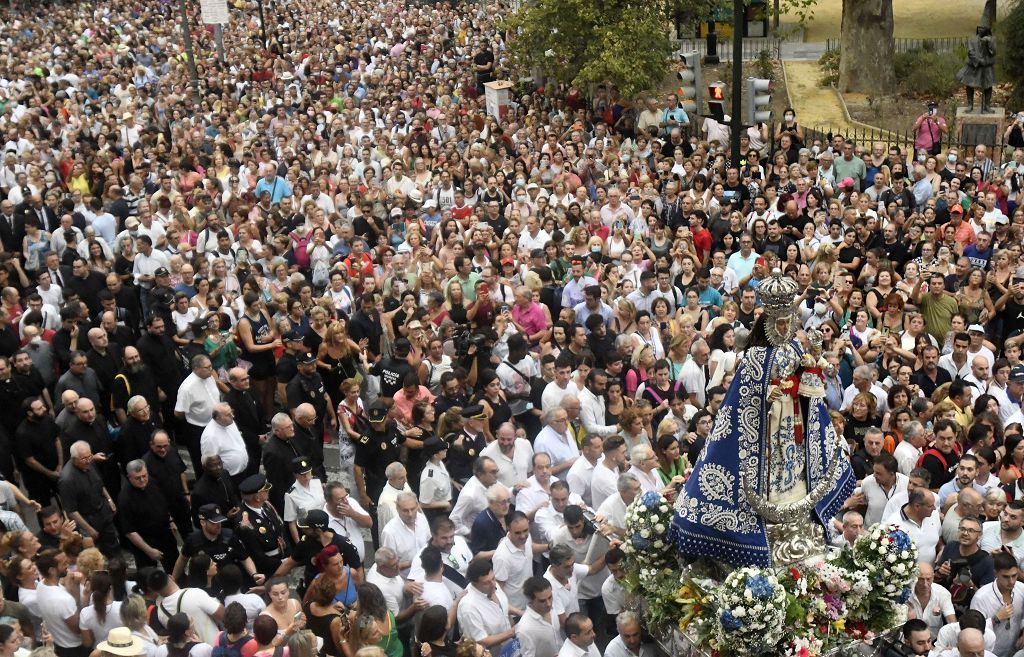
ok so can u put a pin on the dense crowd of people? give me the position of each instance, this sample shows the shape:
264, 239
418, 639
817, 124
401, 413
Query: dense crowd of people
509, 327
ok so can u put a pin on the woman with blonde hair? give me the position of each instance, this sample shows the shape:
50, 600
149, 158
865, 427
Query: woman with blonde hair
337, 359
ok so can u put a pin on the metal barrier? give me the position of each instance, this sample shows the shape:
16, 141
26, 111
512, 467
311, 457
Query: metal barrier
946, 44
752, 48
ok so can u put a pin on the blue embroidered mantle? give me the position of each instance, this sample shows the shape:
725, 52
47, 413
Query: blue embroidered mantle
713, 518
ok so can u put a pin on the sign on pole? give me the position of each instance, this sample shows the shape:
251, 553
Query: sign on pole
214, 12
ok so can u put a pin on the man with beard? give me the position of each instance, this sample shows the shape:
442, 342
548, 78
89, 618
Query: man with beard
91, 428
86, 500
160, 355
145, 519
168, 472
38, 451
248, 416
136, 431
30, 378
105, 360
214, 486
135, 379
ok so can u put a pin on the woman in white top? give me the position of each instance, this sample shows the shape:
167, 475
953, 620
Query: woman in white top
645, 335
182, 640
723, 355
103, 613
435, 482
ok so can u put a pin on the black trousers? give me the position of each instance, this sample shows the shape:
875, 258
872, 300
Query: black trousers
190, 435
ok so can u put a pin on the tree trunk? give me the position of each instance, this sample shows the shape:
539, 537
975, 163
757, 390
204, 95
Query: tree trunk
867, 47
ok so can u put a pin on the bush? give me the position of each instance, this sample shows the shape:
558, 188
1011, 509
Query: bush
829, 65
924, 73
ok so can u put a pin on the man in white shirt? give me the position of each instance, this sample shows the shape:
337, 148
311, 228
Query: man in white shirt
512, 455
910, 449
612, 511
565, 576
408, 533
695, 373
513, 560
971, 618
864, 381
346, 517
881, 485
606, 473
386, 575
455, 554
473, 497
1002, 602
539, 630
1005, 532
398, 483
516, 372
549, 518
56, 605
931, 602
581, 474
555, 441
579, 637
537, 489
644, 468
204, 611
551, 398
484, 612
222, 437
629, 642
592, 409
197, 395
919, 520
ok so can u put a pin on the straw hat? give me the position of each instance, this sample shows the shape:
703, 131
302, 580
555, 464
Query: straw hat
120, 641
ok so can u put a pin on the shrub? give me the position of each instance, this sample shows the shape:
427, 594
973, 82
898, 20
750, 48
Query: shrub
829, 65
924, 73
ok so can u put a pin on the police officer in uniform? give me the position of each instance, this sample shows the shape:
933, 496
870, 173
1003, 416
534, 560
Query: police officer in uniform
464, 447
288, 364
316, 536
261, 529
308, 388
374, 452
220, 543
435, 482
306, 493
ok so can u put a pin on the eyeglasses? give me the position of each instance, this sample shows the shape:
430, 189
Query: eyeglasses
968, 530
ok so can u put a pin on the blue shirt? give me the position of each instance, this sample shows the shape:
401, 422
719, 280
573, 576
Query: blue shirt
679, 114
979, 259
711, 297
278, 188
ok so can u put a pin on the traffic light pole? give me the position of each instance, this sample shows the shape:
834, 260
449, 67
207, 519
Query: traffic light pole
736, 126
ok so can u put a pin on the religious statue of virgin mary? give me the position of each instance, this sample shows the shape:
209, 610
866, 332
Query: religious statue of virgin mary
773, 472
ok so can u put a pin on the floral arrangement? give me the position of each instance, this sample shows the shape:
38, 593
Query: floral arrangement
806, 610
647, 521
752, 611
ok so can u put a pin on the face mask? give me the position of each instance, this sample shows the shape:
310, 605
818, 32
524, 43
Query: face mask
815, 149
819, 309
521, 199
625, 157
951, 158
921, 158
595, 249
789, 118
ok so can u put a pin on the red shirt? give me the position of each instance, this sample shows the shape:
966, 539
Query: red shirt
702, 242
359, 265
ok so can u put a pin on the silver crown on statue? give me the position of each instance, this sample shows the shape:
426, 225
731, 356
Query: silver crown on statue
777, 292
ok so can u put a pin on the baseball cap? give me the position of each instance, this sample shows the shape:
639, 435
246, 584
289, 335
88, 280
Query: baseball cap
307, 358
1017, 374
508, 261
957, 208
396, 212
847, 182
975, 328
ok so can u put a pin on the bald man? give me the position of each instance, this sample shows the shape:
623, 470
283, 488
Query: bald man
307, 432
971, 643
248, 416
104, 358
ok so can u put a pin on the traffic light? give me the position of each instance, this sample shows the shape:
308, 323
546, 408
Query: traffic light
690, 82
759, 98
716, 101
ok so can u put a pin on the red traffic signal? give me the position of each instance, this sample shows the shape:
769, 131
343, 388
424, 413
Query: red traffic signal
716, 92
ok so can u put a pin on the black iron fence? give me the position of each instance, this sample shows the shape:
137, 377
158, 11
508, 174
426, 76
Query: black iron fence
866, 137
946, 44
751, 50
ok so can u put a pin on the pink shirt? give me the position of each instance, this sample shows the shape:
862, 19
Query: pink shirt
403, 405
533, 319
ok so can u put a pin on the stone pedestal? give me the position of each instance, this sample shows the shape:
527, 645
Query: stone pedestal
974, 128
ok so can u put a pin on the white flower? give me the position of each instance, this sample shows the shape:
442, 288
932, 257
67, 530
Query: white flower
664, 508
660, 528
739, 612
645, 533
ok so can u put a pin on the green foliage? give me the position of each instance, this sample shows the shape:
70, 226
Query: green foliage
829, 65
624, 42
1010, 57
802, 9
764, 65
927, 74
